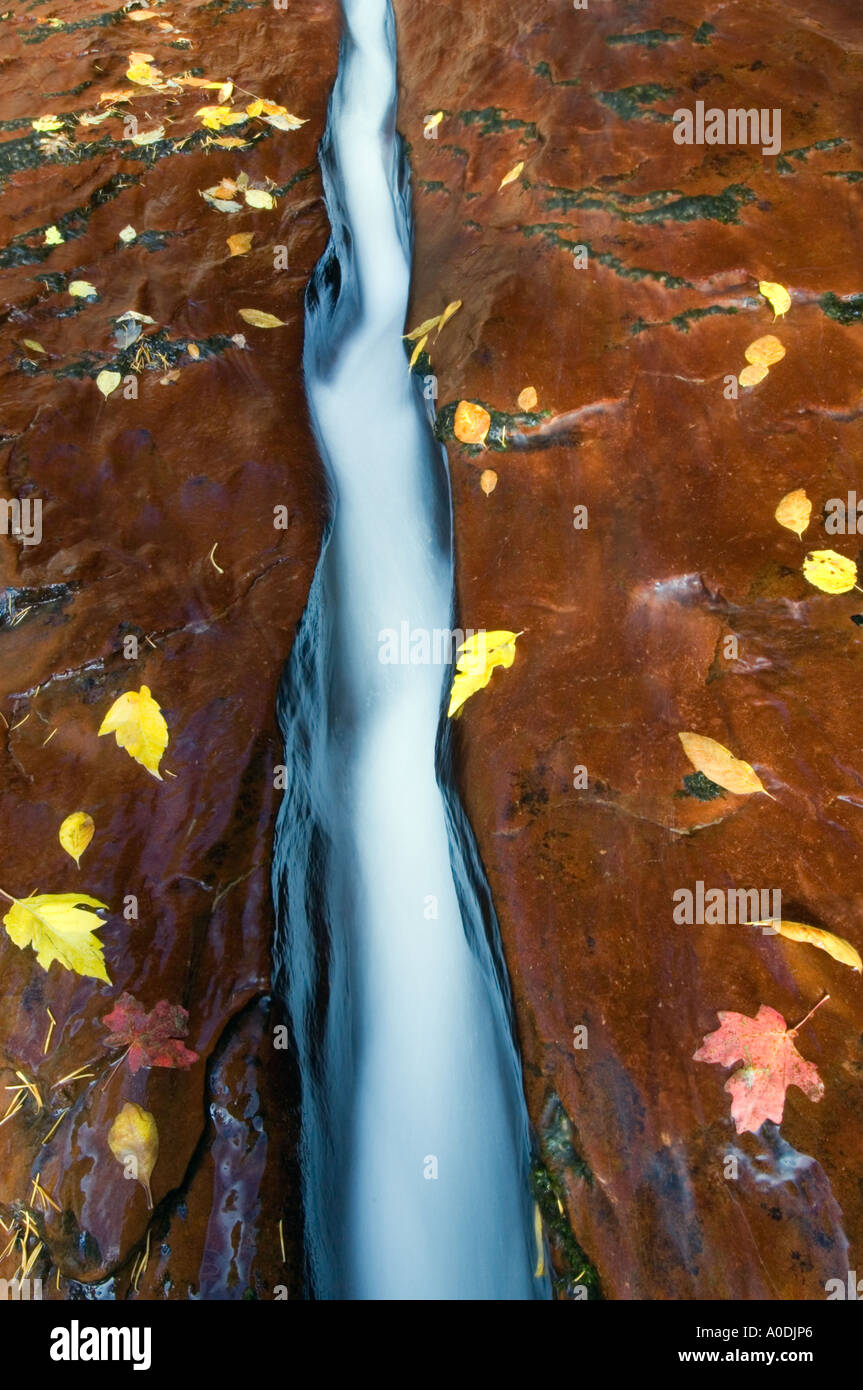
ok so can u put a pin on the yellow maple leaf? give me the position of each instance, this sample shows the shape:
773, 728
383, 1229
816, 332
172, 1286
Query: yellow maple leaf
136, 721
59, 926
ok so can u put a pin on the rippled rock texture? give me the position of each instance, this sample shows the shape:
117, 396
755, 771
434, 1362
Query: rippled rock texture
626, 621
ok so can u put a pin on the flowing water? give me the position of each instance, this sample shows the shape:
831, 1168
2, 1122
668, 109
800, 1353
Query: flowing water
415, 1148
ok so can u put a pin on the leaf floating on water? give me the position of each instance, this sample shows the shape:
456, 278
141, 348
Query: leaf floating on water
471, 423
776, 295
259, 319
478, 657
259, 198
527, 399
417, 350
60, 927
488, 481
830, 572
835, 946
772, 1064
136, 721
794, 511
765, 352
82, 289
750, 376
108, 382
431, 123
447, 315
134, 1141
75, 834
511, 176
719, 764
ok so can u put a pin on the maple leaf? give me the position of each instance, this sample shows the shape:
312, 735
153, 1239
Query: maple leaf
135, 720
152, 1039
61, 927
772, 1063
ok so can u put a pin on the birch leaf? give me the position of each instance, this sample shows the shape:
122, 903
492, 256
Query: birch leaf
53, 236
417, 350
108, 382
830, 572
136, 721
794, 511
720, 765
259, 319
471, 423
134, 1141
511, 176
32, 345
76, 832
776, 295
82, 289
527, 399
750, 376
217, 117
259, 198
488, 481
60, 927
835, 946
765, 352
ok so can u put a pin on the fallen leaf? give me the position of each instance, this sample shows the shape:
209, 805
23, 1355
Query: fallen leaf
488, 481
835, 946
123, 94
47, 124
60, 927
141, 72
477, 659
765, 352
76, 832
417, 350
776, 295
134, 1141
830, 572
471, 423
194, 351
423, 329
432, 122
138, 15
259, 319
772, 1064
794, 511
82, 289
108, 382
152, 1039
221, 204
511, 176
217, 117
127, 234
230, 142
170, 377
88, 118
149, 137
53, 236
527, 399
240, 243
32, 345
202, 83
720, 765
136, 721
225, 92
283, 120
447, 315
750, 376
259, 198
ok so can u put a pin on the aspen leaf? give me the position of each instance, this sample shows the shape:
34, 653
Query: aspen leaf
53, 236
720, 765
765, 352
283, 120
417, 350
471, 423
82, 289
259, 198
134, 1135
240, 244
772, 1063
424, 329
488, 481
527, 399
76, 832
127, 234
511, 176
794, 511
432, 123
830, 572
750, 376
141, 72
777, 296
108, 382
447, 314
259, 319
835, 946
61, 927
136, 721
217, 117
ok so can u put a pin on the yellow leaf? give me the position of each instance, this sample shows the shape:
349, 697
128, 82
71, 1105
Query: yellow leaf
230, 142
216, 117
464, 685
447, 315
194, 351
259, 198
511, 176
53, 236
431, 123
794, 511
143, 73
127, 234
477, 659
225, 91
424, 328
765, 352
830, 572
76, 832
46, 125
108, 382
750, 376
122, 94
240, 243
82, 289
149, 137
138, 15
471, 423
776, 295
527, 399
488, 481
835, 946
137, 723
134, 1141
283, 120
60, 926
259, 319
720, 765
32, 345
417, 350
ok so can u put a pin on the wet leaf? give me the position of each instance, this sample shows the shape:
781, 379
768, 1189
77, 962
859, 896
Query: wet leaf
420, 346
53, 236
777, 296
60, 927
153, 1038
75, 834
527, 399
259, 319
46, 125
772, 1064
471, 423
217, 117
194, 351
225, 92
488, 481
765, 352
477, 659
230, 142
134, 1141
794, 511
432, 122
149, 137
32, 345
835, 946
220, 204
511, 176
240, 244
720, 765
82, 289
750, 376
447, 314
127, 234
424, 328
830, 572
259, 198
138, 15
284, 121
122, 94
136, 721
142, 72
108, 382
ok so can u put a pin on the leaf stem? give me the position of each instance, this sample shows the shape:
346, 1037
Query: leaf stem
797, 1028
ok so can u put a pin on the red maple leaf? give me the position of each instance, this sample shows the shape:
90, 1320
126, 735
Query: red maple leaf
772, 1063
152, 1039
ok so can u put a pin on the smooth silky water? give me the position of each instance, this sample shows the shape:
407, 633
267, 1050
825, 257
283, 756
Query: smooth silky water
415, 1146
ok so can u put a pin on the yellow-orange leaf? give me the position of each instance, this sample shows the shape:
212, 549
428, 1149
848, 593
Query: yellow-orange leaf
511, 176
258, 318
134, 1141
471, 423
794, 511
719, 764
240, 243
830, 572
527, 399
764, 352
75, 833
835, 946
136, 721
488, 481
777, 296
447, 314
750, 376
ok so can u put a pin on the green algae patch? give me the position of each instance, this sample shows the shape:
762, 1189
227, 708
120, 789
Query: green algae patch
845, 311
647, 38
633, 103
